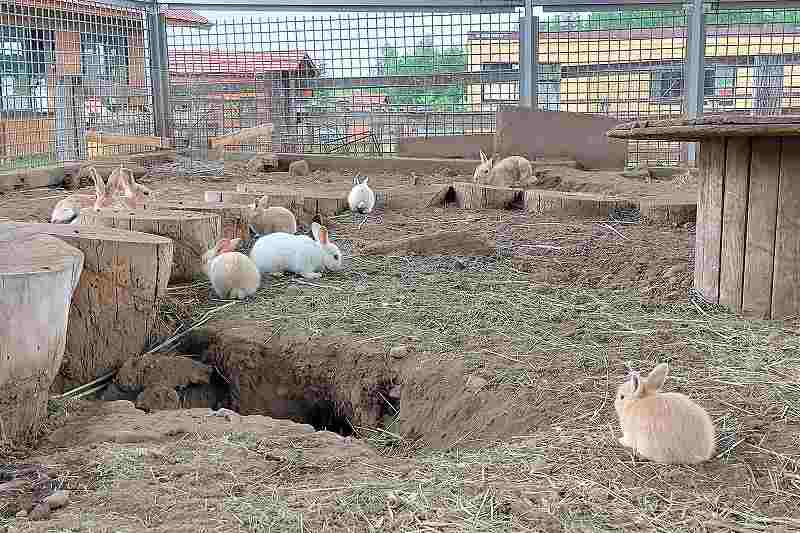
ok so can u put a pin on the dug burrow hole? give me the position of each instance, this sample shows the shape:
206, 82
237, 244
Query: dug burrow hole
329, 382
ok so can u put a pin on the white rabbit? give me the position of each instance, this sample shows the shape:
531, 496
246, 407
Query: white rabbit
280, 252
361, 198
232, 274
665, 427
68, 210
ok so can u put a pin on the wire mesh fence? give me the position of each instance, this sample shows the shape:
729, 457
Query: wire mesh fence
67, 69
363, 83
352, 83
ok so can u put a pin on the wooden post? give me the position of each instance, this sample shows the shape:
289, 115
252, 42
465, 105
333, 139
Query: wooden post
115, 305
192, 233
573, 203
38, 276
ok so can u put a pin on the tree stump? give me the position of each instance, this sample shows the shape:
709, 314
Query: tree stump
232, 197
475, 196
116, 304
233, 215
574, 203
192, 233
38, 276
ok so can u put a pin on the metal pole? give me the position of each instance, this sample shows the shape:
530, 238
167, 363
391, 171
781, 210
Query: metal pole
526, 72
159, 73
695, 64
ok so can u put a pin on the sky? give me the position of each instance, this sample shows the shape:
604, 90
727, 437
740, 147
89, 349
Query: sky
348, 44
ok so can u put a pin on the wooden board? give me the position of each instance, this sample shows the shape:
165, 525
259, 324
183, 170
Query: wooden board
241, 137
734, 222
233, 215
114, 139
672, 211
585, 204
32, 178
38, 277
708, 247
232, 197
786, 280
192, 233
762, 211
117, 300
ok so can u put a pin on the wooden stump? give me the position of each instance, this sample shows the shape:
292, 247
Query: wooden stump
574, 203
476, 196
232, 197
115, 306
233, 215
38, 276
748, 250
192, 233
675, 212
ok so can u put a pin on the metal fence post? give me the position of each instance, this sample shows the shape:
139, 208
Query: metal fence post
695, 64
528, 68
159, 72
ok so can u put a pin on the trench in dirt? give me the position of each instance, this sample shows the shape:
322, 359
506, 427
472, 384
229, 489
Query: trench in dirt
326, 382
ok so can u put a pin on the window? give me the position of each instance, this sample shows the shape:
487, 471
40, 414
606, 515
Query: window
666, 84
548, 87
500, 92
105, 57
719, 85
25, 55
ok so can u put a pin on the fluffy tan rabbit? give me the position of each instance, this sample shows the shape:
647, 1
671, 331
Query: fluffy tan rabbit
68, 210
264, 220
132, 194
232, 274
513, 171
665, 427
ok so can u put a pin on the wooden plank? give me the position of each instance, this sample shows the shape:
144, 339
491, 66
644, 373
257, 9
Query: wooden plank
786, 278
539, 201
762, 213
734, 222
113, 139
468, 195
241, 137
703, 163
707, 260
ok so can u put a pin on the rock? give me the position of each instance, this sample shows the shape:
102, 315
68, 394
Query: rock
21, 514
58, 499
40, 512
476, 383
641, 173
399, 351
395, 392
158, 398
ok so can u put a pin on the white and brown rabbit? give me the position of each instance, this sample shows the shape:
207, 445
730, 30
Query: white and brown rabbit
513, 171
275, 219
232, 274
68, 210
132, 194
665, 427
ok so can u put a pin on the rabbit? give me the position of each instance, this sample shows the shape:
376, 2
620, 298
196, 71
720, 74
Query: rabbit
232, 274
513, 171
665, 427
361, 198
279, 252
266, 220
298, 168
68, 210
133, 194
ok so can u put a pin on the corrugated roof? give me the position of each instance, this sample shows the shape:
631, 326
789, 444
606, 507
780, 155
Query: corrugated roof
192, 61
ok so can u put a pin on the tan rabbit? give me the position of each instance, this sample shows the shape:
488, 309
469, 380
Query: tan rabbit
232, 274
513, 171
68, 210
132, 194
266, 220
665, 427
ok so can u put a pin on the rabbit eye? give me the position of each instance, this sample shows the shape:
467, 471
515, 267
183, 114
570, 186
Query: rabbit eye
621, 396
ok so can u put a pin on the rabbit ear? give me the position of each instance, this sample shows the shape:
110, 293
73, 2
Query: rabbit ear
315, 230
483, 157
636, 381
99, 184
655, 380
365, 181
323, 235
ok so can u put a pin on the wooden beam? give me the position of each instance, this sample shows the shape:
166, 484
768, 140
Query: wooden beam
107, 139
241, 137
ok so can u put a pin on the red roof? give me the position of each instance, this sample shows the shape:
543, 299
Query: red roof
189, 61
184, 15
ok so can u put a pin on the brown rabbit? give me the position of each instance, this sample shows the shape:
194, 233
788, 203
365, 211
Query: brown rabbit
513, 171
132, 194
665, 427
232, 274
266, 220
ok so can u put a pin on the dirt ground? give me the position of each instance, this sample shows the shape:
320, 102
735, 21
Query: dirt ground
464, 393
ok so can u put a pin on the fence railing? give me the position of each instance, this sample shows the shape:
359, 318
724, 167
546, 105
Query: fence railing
357, 82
